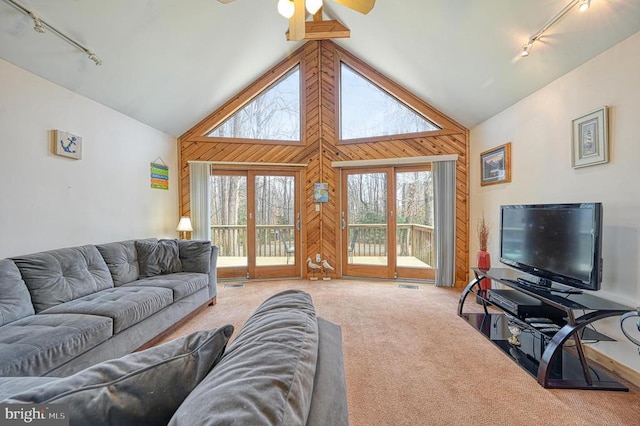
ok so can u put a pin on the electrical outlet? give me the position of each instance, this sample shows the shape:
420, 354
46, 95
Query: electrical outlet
318, 259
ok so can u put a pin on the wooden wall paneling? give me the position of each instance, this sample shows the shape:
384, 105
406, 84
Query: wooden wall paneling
319, 64
312, 125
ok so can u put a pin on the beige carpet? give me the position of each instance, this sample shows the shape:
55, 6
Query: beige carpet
410, 360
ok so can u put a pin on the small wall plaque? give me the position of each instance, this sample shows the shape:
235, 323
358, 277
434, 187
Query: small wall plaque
67, 144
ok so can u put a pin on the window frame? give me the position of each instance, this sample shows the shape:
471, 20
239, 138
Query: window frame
394, 90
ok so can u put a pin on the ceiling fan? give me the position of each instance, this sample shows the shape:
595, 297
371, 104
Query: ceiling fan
301, 29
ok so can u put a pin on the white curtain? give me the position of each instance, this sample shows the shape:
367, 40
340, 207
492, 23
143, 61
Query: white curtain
444, 182
200, 183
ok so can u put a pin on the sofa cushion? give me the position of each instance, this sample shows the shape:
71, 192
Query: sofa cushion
15, 301
57, 276
122, 260
195, 255
37, 344
141, 388
125, 305
182, 284
266, 375
10, 386
161, 257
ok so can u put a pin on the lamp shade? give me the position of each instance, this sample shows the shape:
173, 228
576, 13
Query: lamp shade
184, 225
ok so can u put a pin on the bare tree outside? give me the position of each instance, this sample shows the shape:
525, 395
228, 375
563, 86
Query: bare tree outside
272, 115
368, 111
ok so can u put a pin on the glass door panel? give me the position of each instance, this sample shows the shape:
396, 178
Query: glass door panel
366, 227
415, 244
275, 220
228, 200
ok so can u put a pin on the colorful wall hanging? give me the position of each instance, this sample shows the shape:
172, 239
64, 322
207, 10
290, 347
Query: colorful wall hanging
159, 174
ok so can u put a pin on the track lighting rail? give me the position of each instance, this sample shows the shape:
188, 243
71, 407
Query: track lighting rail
39, 25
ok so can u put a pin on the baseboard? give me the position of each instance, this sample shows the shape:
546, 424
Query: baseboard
610, 364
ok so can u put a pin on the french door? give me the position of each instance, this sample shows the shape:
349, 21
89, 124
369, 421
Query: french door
387, 222
255, 221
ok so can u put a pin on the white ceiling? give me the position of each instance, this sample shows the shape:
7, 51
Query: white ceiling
169, 63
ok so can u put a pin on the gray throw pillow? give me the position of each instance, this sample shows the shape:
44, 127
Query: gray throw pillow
140, 388
156, 258
15, 300
195, 256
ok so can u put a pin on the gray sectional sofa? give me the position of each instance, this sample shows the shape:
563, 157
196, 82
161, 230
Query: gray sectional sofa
67, 309
285, 367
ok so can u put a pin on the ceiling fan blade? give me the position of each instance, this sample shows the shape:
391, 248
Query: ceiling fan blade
362, 6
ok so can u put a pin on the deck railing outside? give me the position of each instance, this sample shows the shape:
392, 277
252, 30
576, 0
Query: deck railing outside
277, 240
272, 240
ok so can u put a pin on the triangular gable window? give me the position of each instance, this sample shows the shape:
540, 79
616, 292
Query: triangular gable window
368, 111
272, 115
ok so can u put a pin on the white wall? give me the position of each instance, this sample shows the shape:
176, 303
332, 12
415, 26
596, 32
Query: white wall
47, 201
539, 128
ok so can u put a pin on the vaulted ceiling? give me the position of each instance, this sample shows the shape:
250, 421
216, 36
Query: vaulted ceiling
169, 63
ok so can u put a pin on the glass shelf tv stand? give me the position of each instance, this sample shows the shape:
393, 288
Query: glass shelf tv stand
556, 358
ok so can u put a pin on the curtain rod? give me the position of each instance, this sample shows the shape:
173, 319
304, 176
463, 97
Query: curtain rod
233, 163
395, 161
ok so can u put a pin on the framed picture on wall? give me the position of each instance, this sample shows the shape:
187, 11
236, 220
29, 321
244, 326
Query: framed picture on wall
590, 144
495, 165
67, 144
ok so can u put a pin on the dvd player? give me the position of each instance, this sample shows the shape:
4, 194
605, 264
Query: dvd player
522, 305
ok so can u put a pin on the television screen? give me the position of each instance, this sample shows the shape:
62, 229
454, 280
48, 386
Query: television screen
555, 242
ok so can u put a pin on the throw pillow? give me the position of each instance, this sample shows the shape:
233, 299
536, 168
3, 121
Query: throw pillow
195, 256
159, 257
140, 388
15, 300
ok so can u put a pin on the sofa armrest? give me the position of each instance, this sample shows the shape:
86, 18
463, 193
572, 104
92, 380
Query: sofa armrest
329, 397
213, 272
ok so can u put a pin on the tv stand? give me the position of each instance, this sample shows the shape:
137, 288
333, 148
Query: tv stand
540, 350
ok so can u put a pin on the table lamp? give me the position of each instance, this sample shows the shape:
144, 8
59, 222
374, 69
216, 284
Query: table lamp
184, 226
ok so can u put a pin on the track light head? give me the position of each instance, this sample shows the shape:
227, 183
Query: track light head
94, 57
37, 24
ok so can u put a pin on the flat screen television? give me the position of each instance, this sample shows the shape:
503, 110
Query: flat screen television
559, 243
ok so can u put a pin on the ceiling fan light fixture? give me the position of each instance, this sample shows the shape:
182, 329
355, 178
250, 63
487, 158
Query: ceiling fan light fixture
526, 48
286, 8
313, 6
584, 5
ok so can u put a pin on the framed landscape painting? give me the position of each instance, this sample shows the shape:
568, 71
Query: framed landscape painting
495, 165
590, 144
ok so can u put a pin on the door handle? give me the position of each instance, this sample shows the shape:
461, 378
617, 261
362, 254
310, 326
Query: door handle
343, 223
298, 225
